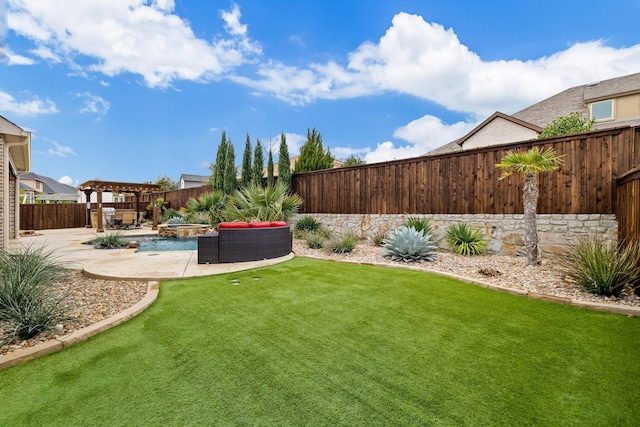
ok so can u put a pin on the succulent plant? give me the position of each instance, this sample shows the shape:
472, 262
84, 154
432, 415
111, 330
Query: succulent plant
464, 240
406, 244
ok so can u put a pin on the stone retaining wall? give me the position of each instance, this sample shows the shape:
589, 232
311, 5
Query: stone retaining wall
504, 233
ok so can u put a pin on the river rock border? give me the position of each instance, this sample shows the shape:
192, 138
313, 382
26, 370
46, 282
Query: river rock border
504, 233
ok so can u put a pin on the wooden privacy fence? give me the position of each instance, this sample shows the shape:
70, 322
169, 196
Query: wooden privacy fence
468, 182
66, 215
175, 198
628, 203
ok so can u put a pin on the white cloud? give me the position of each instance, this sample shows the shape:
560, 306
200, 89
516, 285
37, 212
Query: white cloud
94, 104
135, 36
66, 180
428, 61
33, 106
60, 150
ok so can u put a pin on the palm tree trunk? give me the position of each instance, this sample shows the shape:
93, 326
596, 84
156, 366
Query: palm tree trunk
530, 198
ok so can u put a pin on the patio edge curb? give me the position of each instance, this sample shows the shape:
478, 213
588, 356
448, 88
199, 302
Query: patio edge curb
24, 355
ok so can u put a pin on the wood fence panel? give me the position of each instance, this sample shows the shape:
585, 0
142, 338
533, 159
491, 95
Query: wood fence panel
628, 206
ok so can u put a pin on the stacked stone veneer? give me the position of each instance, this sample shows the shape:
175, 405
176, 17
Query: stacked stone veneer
504, 233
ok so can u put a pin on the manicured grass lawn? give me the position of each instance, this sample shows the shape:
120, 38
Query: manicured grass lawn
312, 342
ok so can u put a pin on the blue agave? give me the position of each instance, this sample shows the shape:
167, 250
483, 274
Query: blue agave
406, 244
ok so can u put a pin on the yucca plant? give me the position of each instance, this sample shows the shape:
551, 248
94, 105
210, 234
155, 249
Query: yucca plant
315, 240
378, 237
344, 244
419, 224
604, 268
255, 203
110, 241
407, 244
464, 240
306, 224
26, 299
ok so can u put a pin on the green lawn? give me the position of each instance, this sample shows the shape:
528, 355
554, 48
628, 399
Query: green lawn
311, 342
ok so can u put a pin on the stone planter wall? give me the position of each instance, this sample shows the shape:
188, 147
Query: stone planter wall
504, 233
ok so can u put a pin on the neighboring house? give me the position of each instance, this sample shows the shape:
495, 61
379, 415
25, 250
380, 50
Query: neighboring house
34, 187
611, 103
190, 181
15, 150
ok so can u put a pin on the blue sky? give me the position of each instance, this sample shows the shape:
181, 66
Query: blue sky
130, 90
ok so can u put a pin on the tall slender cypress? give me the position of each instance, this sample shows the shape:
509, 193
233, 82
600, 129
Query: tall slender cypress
284, 163
270, 180
218, 168
230, 177
258, 165
245, 177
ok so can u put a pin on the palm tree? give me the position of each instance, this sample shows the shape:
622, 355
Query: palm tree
210, 204
529, 164
255, 203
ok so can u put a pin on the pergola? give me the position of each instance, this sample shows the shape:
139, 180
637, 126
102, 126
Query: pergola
115, 187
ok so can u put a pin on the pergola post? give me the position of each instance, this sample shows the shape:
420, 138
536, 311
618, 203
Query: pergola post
87, 194
99, 219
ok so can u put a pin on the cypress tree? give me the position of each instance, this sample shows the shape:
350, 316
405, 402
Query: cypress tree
218, 167
245, 178
258, 165
284, 163
270, 180
230, 178
313, 156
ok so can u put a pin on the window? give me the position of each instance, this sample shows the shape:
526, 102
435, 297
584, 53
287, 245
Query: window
602, 110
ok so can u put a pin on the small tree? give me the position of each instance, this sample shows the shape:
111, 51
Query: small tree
258, 165
284, 163
313, 155
530, 164
218, 167
565, 125
270, 180
166, 183
230, 176
354, 161
246, 175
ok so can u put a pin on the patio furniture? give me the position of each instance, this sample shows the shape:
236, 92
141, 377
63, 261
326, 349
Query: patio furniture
242, 242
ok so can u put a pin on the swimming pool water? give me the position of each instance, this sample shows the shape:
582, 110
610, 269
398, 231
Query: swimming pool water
156, 243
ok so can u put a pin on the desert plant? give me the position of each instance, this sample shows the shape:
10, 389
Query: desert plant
407, 244
176, 220
464, 240
255, 203
211, 204
314, 240
306, 224
419, 224
602, 267
110, 241
168, 214
26, 300
344, 243
378, 237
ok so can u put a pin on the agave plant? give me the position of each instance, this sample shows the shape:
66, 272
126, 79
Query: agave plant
464, 240
211, 204
255, 203
407, 244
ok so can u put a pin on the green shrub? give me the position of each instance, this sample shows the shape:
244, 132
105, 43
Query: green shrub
464, 240
408, 244
306, 224
419, 224
602, 267
255, 203
110, 241
378, 237
344, 244
167, 214
315, 240
26, 299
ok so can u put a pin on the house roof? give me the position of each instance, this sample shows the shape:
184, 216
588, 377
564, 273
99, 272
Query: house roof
20, 152
494, 116
194, 178
50, 185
